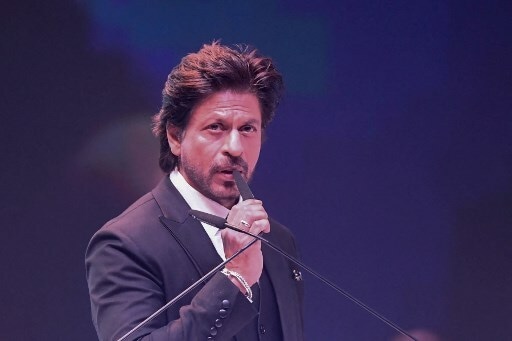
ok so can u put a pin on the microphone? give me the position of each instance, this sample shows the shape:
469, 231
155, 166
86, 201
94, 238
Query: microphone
243, 188
209, 219
221, 223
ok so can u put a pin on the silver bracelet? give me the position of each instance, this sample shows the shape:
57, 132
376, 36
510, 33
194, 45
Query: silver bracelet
242, 281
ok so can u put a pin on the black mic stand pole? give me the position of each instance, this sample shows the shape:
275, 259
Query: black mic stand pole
186, 291
246, 193
322, 278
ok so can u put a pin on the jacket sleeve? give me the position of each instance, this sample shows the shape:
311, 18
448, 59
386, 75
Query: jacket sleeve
125, 289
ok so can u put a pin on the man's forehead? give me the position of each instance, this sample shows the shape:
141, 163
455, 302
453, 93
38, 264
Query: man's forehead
225, 104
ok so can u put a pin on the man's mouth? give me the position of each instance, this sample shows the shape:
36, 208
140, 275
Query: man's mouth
227, 172
227, 169
230, 171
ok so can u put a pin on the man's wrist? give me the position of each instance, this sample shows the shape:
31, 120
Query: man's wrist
240, 282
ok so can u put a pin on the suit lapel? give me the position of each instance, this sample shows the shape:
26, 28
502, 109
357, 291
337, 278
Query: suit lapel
187, 231
280, 275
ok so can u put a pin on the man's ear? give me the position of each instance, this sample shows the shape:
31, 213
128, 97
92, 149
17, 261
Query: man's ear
174, 135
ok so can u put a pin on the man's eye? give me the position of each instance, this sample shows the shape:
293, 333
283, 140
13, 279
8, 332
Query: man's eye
248, 129
215, 126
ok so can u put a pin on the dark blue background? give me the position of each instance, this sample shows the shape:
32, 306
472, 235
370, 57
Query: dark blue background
390, 157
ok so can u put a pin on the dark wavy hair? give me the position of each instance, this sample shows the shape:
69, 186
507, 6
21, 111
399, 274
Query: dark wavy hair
214, 68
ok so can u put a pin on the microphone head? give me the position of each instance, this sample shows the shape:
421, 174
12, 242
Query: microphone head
243, 187
207, 218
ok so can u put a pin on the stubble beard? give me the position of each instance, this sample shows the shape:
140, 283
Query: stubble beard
226, 194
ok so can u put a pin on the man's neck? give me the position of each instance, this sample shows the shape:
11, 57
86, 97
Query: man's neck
195, 199
227, 203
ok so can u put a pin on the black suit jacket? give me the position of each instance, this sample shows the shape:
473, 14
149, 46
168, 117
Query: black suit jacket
153, 251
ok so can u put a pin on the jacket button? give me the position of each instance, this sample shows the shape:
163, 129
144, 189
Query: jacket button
223, 313
213, 331
218, 323
262, 329
226, 304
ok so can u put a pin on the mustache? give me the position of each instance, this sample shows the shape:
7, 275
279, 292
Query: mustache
231, 162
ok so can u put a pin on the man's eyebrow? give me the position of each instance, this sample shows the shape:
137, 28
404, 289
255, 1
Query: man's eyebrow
221, 119
253, 121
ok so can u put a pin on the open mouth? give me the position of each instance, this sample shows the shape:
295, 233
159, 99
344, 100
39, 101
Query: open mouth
229, 170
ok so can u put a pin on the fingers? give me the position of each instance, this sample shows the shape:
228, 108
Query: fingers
249, 216
251, 208
259, 226
246, 213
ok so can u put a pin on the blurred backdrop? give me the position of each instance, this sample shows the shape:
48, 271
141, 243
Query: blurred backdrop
390, 156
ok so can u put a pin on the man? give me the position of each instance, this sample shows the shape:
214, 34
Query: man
216, 106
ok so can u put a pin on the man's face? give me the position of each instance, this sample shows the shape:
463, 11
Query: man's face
223, 134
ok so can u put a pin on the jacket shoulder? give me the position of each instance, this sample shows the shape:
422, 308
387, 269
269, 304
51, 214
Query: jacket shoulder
142, 212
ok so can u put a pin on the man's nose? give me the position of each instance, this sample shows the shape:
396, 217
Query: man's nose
233, 143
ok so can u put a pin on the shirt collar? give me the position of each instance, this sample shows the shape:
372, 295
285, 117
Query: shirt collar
198, 201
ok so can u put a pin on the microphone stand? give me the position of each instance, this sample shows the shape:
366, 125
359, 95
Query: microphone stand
364, 306
246, 193
186, 291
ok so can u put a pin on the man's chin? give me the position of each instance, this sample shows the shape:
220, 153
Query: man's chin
225, 197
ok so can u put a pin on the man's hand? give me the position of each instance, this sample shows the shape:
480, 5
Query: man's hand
249, 264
